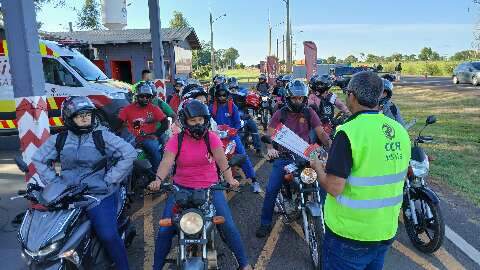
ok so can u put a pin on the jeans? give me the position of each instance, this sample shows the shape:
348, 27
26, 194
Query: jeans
247, 166
273, 187
151, 147
251, 128
104, 222
339, 254
163, 242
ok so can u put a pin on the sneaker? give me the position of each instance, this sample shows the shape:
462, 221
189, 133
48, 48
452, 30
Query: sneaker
263, 231
256, 187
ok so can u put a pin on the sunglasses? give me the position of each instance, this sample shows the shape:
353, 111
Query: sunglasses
144, 96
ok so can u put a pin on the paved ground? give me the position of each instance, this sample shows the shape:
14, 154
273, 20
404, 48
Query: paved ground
284, 249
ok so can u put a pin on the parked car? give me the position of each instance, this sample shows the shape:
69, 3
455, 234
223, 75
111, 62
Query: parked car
467, 72
67, 73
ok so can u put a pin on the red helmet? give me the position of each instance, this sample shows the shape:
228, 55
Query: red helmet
253, 100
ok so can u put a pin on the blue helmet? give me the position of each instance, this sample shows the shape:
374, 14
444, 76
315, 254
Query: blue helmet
388, 87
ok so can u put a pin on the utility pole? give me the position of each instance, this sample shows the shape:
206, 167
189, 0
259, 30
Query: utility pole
27, 78
283, 48
155, 32
269, 40
288, 34
212, 52
277, 49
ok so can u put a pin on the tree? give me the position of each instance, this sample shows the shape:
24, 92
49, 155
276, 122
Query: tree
201, 57
351, 59
371, 58
230, 56
331, 60
178, 21
464, 55
397, 57
88, 18
362, 57
427, 54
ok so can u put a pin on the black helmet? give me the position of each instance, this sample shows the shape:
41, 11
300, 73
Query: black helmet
74, 105
232, 82
388, 87
193, 91
194, 108
320, 83
219, 79
262, 77
179, 81
296, 88
145, 88
221, 88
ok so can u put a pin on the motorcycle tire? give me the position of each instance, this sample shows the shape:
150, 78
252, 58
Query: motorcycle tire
315, 240
436, 223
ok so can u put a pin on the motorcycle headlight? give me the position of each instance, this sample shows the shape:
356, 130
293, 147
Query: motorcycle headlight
308, 176
44, 251
191, 223
117, 95
420, 169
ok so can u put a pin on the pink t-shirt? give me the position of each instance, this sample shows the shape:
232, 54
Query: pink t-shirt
195, 166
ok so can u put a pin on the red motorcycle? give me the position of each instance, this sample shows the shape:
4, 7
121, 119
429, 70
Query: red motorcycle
226, 134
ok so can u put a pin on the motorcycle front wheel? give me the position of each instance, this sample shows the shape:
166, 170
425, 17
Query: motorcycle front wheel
315, 240
427, 236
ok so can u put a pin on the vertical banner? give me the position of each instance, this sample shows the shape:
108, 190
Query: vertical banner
310, 50
272, 69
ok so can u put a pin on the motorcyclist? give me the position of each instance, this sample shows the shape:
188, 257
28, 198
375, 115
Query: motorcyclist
174, 99
239, 95
217, 79
224, 112
77, 157
196, 91
141, 118
301, 119
262, 86
387, 106
195, 168
323, 101
279, 91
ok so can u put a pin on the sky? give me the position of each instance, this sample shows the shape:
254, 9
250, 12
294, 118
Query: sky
338, 28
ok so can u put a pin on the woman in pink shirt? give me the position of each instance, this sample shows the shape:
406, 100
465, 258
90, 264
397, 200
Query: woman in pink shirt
196, 168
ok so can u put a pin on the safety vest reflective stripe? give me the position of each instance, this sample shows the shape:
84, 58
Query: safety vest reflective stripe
369, 204
376, 180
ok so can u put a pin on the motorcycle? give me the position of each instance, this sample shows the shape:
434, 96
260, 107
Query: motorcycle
226, 133
300, 198
420, 208
195, 220
265, 108
56, 233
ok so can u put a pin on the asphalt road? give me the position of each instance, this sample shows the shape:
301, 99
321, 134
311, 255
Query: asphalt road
284, 248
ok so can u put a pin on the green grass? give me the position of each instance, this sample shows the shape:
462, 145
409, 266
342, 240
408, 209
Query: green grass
243, 75
456, 135
431, 68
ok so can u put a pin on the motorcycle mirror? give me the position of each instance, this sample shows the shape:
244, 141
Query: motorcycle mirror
237, 160
21, 164
431, 119
102, 163
266, 139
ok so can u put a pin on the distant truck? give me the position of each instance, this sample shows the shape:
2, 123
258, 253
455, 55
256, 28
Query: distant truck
67, 72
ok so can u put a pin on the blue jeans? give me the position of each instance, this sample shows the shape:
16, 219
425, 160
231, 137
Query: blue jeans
163, 242
104, 222
273, 187
151, 147
339, 254
251, 127
247, 166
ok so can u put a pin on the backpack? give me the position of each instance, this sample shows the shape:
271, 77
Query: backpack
206, 139
215, 107
97, 140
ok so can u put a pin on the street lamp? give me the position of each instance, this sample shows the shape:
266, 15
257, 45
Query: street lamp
270, 27
288, 37
212, 51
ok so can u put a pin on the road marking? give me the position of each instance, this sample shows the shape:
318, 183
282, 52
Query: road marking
468, 249
269, 246
448, 260
413, 256
148, 235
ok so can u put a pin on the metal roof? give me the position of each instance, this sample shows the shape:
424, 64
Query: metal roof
128, 36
